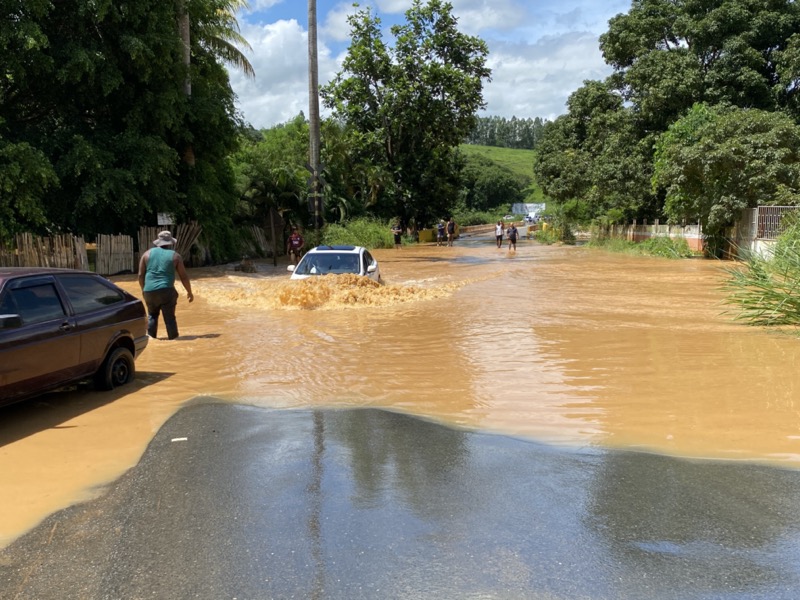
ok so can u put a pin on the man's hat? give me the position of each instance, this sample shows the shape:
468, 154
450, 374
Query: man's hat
165, 239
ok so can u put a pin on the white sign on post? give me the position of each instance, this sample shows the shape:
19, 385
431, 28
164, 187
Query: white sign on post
165, 219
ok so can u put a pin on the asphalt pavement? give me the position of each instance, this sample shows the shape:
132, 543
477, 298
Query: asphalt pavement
241, 502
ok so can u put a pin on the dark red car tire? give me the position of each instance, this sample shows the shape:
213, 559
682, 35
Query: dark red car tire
118, 369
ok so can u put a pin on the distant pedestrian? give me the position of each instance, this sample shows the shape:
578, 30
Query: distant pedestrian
451, 231
157, 269
498, 233
440, 233
397, 231
512, 237
295, 245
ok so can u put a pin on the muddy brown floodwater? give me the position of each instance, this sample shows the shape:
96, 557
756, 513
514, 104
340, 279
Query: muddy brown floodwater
569, 346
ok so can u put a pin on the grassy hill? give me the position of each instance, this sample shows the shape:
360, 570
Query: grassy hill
518, 161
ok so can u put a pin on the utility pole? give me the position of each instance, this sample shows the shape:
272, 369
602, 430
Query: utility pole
315, 188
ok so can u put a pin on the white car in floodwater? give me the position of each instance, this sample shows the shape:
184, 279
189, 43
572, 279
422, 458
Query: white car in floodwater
324, 260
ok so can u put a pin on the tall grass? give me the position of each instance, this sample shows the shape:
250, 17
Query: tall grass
663, 247
370, 233
766, 289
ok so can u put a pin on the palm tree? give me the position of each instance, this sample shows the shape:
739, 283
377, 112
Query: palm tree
219, 34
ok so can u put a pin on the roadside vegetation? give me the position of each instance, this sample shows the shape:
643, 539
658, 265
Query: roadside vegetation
104, 125
682, 131
765, 290
368, 232
663, 247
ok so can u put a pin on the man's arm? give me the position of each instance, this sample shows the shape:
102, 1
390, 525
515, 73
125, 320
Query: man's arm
143, 268
181, 271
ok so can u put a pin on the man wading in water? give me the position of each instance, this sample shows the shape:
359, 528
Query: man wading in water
512, 238
157, 269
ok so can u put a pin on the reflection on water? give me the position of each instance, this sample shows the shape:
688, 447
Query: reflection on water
565, 345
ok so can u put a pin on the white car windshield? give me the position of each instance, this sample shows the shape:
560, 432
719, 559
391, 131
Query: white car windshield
322, 263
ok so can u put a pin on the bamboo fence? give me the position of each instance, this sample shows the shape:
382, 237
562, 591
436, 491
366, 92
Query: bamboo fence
186, 234
61, 251
114, 254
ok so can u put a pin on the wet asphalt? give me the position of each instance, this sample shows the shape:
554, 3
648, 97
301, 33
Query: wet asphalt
240, 502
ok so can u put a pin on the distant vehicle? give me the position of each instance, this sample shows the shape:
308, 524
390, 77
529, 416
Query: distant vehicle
531, 218
508, 218
324, 260
61, 326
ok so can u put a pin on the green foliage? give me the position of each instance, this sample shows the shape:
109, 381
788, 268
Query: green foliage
518, 161
94, 117
667, 57
717, 161
507, 133
666, 247
766, 290
487, 184
548, 237
670, 55
370, 233
788, 68
467, 217
405, 108
25, 176
663, 247
595, 154
269, 174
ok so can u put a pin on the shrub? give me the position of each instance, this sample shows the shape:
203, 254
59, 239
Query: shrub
766, 290
370, 233
658, 246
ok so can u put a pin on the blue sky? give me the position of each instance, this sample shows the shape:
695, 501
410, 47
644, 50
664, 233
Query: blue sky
540, 51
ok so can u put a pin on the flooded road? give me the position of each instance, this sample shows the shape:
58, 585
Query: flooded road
567, 346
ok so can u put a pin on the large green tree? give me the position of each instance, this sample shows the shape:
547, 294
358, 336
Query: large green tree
596, 153
717, 160
667, 56
93, 114
406, 107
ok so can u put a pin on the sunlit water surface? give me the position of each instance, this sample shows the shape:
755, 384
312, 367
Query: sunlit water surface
565, 345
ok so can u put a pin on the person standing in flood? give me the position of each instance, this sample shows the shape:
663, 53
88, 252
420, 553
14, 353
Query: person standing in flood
397, 231
440, 233
451, 231
295, 245
157, 269
512, 237
498, 233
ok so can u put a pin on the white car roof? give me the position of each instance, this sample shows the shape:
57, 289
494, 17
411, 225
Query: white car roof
350, 249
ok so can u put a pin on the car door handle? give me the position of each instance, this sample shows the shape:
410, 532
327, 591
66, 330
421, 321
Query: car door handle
65, 327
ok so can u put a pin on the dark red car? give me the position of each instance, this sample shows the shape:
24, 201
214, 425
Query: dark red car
60, 326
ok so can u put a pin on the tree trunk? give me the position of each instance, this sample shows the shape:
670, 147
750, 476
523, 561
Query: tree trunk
186, 43
184, 30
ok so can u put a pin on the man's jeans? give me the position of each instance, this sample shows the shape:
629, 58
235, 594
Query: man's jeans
162, 302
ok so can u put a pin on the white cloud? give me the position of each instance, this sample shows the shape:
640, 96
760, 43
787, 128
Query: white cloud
336, 26
535, 80
475, 16
393, 6
280, 59
256, 5
540, 52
